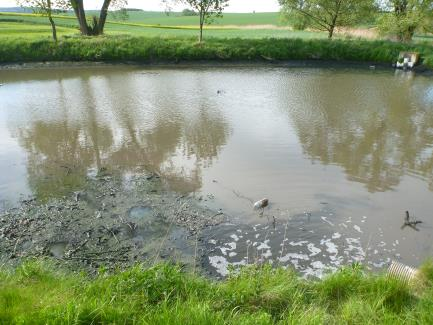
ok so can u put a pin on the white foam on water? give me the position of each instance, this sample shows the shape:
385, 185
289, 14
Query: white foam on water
221, 264
380, 264
313, 249
331, 248
354, 249
314, 272
267, 254
337, 261
231, 247
336, 235
318, 265
325, 219
357, 228
300, 243
293, 256
234, 237
264, 245
382, 244
352, 241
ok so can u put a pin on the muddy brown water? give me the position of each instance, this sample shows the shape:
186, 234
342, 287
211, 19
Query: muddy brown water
340, 153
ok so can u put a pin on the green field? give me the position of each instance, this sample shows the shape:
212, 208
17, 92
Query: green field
154, 24
158, 24
26, 30
176, 19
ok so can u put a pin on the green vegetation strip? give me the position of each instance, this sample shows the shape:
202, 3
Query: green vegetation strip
38, 293
149, 50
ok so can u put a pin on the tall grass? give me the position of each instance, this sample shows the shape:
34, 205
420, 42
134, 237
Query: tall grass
38, 293
139, 49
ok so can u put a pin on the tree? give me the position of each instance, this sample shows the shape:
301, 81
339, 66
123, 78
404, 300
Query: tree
207, 10
295, 18
98, 24
189, 12
402, 18
121, 14
43, 7
326, 15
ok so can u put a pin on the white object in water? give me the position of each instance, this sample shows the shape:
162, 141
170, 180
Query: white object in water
407, 63
402, 272
261, 204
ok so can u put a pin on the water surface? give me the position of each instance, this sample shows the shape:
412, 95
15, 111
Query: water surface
340, 153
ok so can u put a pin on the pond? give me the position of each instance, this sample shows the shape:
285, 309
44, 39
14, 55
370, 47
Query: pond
341, 154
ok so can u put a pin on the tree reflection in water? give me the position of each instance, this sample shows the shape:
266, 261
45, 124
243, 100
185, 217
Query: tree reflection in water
375, 144
94, 128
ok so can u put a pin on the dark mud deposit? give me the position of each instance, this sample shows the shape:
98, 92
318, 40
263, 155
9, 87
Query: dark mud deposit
112, 222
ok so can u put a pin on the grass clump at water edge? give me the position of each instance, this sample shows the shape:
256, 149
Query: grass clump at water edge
141, 49
38, 293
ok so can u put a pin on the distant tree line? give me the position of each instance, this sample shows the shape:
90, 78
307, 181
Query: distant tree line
189, 12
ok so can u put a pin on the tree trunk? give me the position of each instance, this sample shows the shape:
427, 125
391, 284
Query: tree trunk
78, 7
331, 32
408, 35
50, 18
333, 23
103, 17
200, 39
53, 27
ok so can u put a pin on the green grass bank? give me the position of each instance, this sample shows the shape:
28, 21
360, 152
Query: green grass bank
151, 50
38, 293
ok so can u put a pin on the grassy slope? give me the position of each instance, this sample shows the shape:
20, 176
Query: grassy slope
150, 50
37, 293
